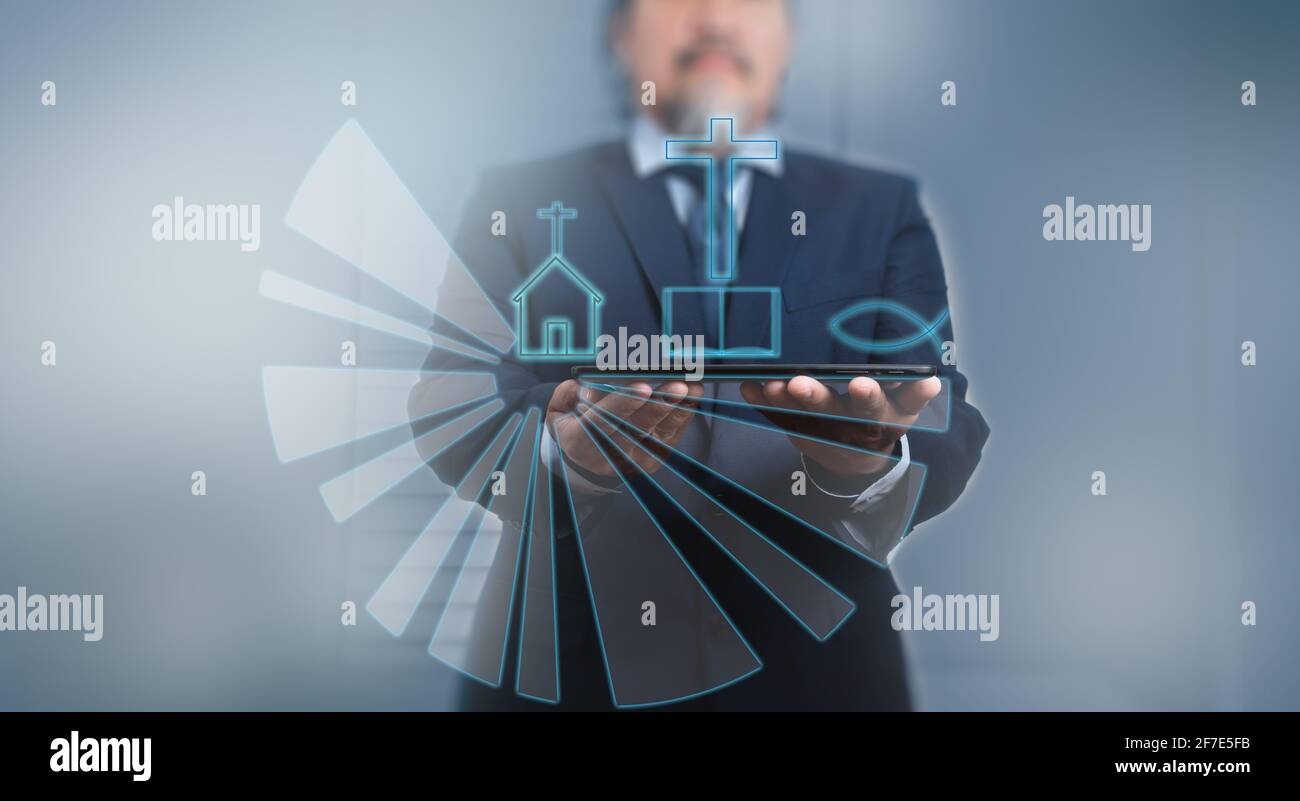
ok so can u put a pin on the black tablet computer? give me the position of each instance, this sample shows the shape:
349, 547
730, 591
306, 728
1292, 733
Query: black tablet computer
764, 372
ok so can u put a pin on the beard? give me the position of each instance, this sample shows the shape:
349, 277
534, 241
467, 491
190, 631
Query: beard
690, 114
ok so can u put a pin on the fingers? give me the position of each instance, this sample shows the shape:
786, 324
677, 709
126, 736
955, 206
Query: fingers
621, 452
868, 400
570, 405
645, 408
771, 397
912, 396
671, 427
625, 402
662, 414
665, 402
564, 398
752, 392
667, 412
813, 395
777, 395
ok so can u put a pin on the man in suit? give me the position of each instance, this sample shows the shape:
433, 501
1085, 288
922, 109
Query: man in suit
642, 229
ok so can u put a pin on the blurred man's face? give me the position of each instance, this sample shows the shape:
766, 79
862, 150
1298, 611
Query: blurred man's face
706, 57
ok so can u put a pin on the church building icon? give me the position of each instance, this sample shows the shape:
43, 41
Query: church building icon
557, 310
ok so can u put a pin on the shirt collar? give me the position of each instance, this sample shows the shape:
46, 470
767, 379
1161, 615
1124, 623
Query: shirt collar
646, 149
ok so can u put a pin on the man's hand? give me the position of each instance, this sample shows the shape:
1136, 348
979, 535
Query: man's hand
665, 418
891, 408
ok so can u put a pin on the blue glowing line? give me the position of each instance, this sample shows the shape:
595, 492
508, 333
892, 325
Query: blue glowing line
505, 434
716, 273
543, 481
457, 405
776, 507
486, 410
531, 421
291, 292
774, 318
770, 593
927, 329
621, 390
557, 214
350, 126
758, 662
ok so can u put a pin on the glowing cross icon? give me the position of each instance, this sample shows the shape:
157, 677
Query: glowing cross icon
721, 143
557, 214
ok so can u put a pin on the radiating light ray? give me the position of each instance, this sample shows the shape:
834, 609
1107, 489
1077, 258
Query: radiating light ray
816, 605
538, 672
693, 648
394, 603
845, 542
353, 204
934, 417
349, 493
441, 391
284, 289
471, 634
312, 409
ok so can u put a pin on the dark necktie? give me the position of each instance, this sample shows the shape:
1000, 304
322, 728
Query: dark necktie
698, 226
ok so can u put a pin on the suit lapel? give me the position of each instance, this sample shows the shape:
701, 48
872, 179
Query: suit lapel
766, 244
646, 220
766, 249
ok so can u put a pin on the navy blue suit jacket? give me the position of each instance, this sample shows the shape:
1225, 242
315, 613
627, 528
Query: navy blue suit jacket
867, 237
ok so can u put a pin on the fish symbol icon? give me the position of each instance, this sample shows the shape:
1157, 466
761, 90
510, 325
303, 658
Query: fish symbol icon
925, 329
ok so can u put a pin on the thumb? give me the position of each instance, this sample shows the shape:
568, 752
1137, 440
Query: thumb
912, 397
564, 398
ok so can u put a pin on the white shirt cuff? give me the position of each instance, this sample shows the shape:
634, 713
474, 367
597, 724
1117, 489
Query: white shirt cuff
878, 489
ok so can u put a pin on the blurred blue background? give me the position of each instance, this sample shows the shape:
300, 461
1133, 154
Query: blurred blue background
1082, 356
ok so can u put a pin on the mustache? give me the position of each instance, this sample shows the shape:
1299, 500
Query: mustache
690, 55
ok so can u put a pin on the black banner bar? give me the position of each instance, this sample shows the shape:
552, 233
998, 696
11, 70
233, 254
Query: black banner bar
323, 749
